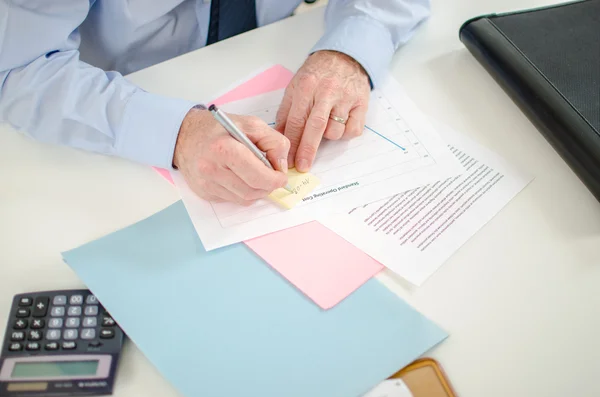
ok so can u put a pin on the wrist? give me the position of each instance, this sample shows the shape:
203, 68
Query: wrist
189, 125
345, 59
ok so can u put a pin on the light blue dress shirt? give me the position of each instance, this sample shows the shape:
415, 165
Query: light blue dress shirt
62, 63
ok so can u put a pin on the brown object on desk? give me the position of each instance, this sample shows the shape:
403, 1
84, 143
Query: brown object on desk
425, 378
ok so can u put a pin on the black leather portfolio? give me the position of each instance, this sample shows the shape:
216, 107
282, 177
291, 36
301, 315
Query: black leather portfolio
548, 61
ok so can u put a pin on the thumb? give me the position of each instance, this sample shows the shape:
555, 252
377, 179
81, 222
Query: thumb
274, 144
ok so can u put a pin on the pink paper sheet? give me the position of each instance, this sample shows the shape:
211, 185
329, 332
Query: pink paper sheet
321, 264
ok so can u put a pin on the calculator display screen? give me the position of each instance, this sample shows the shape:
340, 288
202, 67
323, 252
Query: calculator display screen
26, 370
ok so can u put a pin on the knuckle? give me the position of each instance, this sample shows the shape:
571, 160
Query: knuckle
318, 122
220, 146
285, 142
249, 195
296, 122
254, 182
205, 167
330, 85
307, 80
353, 132
306, 151
254, 122
294, 140
333, 135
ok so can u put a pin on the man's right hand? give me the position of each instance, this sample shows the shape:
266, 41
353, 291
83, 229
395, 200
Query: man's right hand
219, 168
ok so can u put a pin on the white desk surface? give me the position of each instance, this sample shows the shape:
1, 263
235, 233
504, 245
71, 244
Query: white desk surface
520, 299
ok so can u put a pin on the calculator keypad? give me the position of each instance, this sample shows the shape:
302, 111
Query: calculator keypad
25, 302
20, 324
40, 307
35, 335
59, 322
23, 313
57, 311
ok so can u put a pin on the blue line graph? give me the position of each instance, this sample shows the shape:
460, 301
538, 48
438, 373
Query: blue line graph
387, 139
371, 129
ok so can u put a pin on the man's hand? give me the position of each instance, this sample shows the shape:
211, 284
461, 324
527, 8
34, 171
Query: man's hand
219, 168
329, 83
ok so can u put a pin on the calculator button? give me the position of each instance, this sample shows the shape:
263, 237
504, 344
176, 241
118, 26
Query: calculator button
59, 300
76, 300
22, 313
55, 323
74, 311
17, 336
40, 307
107, 321
88, 334
107, 333
91, 300
15, 347
91, 310
69, 345
53, 334
73, 322
20, 324
33, 346
70, 334
35, 335
37, 323
90, 322
25, 302
57, 311
51, 346
95, 344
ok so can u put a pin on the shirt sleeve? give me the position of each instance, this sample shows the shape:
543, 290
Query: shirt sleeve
49, 94
370, 31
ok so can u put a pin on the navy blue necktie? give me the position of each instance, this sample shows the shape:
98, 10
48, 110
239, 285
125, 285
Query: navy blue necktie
229, 18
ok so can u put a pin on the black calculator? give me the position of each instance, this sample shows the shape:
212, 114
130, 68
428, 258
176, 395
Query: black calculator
59, 343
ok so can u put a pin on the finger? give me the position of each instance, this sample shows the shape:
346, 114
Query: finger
241, 189
356, 122
299, 112
211, 191
312, 136
335, 129
253, 171
284, 108
213, 199
227, 195
275, 145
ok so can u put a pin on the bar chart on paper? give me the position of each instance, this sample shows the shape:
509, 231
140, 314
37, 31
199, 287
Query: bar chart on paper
397, 151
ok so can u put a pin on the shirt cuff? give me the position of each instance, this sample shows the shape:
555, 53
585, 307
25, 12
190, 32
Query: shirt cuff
150, 128
365, 40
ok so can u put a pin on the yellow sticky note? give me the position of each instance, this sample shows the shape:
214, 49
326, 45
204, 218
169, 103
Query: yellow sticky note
302, 184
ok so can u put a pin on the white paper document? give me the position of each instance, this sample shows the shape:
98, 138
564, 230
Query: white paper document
413, 233
390, 388
399, 150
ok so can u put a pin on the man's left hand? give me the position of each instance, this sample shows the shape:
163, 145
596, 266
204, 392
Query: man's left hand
329, 83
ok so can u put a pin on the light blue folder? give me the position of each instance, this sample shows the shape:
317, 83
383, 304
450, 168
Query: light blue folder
224, 324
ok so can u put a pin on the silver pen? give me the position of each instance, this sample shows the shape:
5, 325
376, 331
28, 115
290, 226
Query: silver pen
236, 133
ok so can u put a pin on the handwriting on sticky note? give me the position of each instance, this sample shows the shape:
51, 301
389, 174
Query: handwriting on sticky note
302, 184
